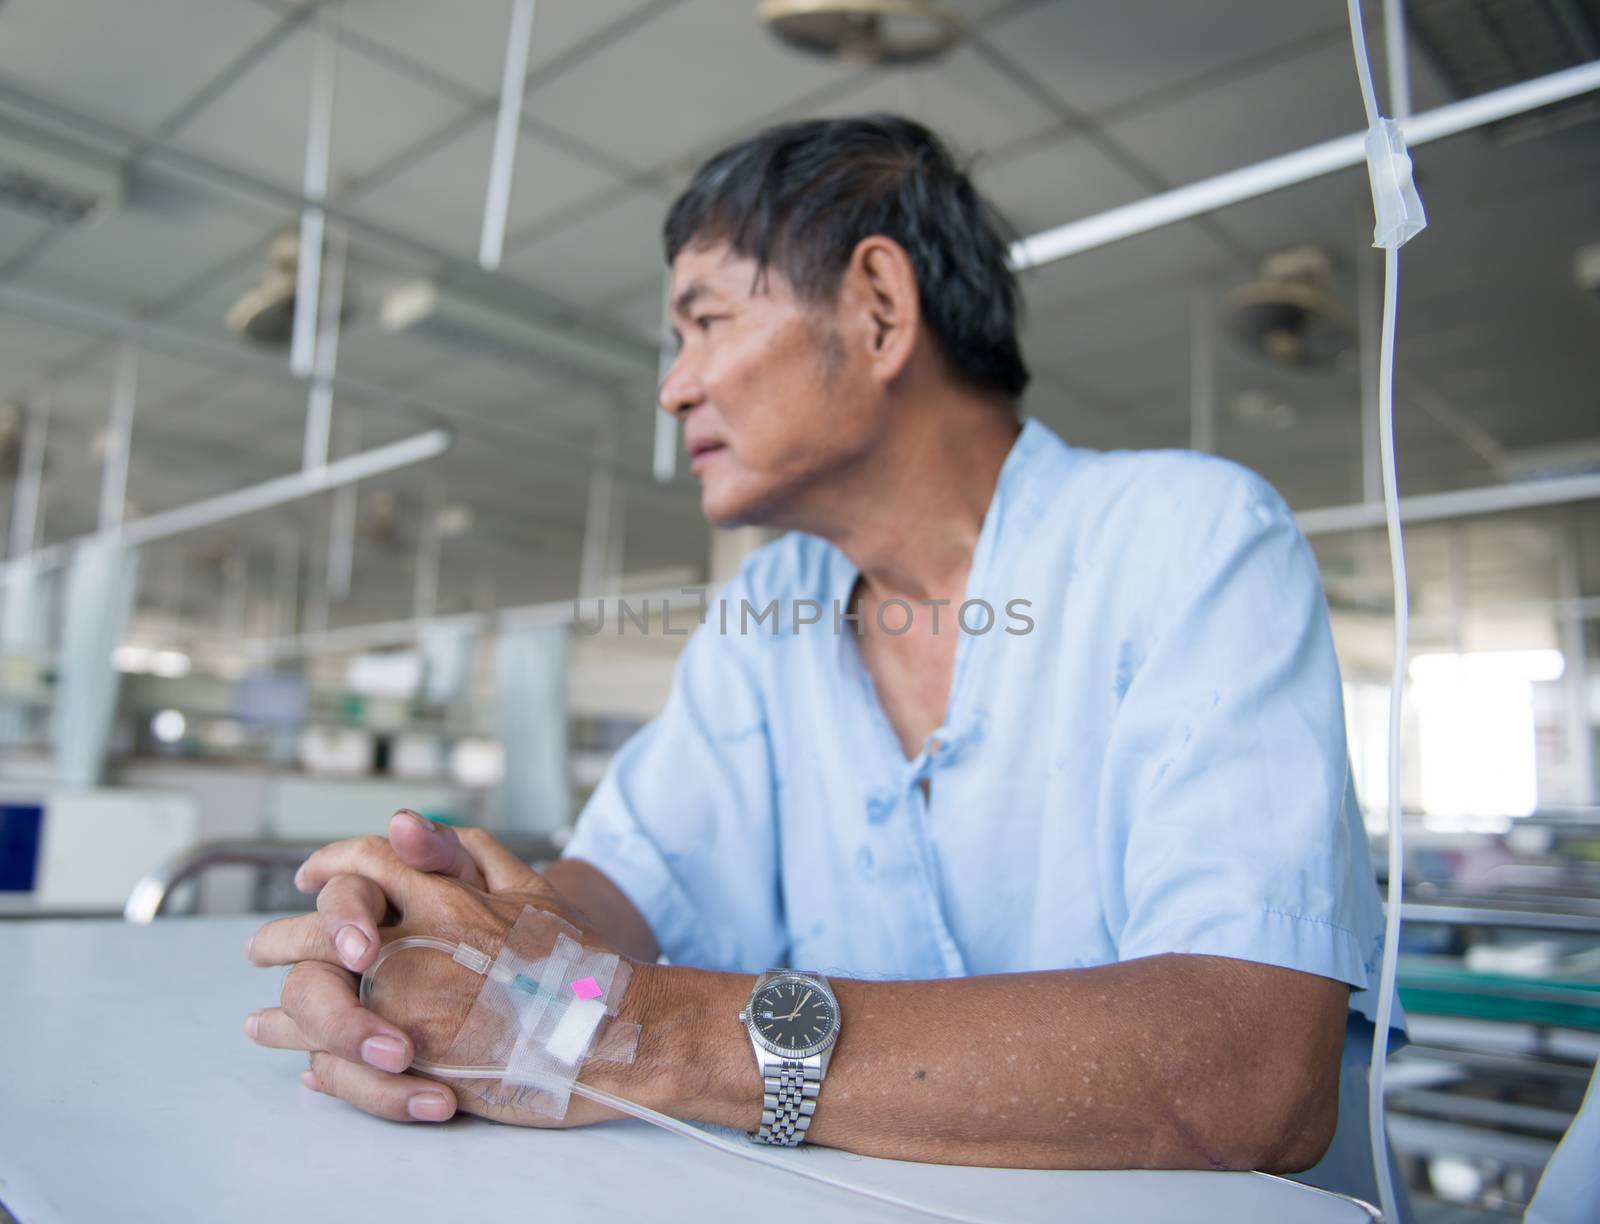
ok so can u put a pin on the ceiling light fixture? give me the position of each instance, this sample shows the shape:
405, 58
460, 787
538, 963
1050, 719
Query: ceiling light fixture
864, 31
1290, 315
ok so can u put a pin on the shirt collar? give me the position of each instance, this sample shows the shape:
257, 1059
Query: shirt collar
1018, 500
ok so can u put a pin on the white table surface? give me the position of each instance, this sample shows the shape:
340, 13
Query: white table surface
128, 1092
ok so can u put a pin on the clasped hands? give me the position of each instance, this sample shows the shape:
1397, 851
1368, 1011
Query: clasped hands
423, 879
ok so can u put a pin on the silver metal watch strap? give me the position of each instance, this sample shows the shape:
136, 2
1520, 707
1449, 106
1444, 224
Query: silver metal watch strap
789, 1099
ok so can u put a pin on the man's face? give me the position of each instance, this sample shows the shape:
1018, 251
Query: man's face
770, 401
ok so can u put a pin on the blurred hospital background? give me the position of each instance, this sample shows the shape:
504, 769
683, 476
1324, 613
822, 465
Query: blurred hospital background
272, 572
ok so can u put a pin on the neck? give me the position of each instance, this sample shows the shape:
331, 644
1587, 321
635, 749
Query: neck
908, 514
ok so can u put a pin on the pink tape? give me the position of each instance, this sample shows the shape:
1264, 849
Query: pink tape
587, 988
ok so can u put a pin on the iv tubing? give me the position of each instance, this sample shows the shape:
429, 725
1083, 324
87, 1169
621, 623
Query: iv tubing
1397, 679
478, 962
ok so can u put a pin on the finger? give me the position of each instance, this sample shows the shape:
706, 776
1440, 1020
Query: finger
321, 1001
370, 856
285, 941
501, 869
400, 1098
350, 908
435, 848
272, 1027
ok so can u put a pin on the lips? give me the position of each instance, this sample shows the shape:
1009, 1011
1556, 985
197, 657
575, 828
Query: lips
703, 451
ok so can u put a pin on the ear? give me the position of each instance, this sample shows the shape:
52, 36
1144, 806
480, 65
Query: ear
883, 289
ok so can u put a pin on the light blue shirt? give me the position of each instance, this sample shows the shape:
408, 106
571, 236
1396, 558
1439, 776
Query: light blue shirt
1157, 766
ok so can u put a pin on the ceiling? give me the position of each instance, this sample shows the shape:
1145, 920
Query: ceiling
1062, 109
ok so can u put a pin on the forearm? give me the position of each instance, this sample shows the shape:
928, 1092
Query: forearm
607, 910
1170, 1062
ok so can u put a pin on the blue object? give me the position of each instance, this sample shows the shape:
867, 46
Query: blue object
1569, 1190
19, 845
1158, 766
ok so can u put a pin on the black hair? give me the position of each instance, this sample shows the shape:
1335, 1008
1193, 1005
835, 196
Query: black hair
801, 196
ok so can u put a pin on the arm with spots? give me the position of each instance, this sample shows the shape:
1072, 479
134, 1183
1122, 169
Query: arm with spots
1166, 1062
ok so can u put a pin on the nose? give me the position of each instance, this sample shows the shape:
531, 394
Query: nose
681, 390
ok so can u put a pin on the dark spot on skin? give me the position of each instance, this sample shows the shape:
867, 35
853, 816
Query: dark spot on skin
920, 1074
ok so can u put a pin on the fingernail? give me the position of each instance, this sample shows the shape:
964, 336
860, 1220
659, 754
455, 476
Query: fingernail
428, 1107
352, 945
309, 1080
249, 947
299, 879
252, 1025
384, 1053
421, 821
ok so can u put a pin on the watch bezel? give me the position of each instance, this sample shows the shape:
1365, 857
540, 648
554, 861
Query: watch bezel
807, 1051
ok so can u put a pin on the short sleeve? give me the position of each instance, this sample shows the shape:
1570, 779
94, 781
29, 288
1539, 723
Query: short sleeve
683, 821
1226, 778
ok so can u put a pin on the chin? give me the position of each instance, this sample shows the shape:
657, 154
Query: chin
725, 507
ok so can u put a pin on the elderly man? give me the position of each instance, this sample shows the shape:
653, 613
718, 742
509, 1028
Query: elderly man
1041, 761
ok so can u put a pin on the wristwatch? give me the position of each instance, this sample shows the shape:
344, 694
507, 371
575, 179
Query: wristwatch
793, 1021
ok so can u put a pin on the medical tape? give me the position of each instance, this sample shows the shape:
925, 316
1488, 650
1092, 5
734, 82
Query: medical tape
559, 1028
546, 1009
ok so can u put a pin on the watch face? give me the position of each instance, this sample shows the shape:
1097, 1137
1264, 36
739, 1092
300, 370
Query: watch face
794, 1017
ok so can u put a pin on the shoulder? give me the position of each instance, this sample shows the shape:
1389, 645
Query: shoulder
1170, 504
1169, 485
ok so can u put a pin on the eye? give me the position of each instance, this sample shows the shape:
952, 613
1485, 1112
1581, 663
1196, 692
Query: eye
704, 322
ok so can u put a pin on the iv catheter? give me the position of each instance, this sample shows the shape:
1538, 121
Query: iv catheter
480, 963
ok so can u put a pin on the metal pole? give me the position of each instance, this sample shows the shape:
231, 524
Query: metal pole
341, 550
318, 599
1275, 173
1459, 503
30, 479
595, 565
1395, 52
1574, 647
1368, 297
664, 461
502, 165
319, 151
425, 592
1202, 372
268, 494
1457, 554
319, 402
119, 436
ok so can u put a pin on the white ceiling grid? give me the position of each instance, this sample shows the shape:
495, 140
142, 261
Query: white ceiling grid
1064, 109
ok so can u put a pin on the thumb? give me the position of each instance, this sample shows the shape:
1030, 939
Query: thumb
421, 844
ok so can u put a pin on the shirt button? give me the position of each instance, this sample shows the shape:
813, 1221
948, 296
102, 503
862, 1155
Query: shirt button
865, 862
878, 808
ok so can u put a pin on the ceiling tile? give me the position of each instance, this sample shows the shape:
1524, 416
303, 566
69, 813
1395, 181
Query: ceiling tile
485, 386
639, 309
104, 57
467, 43
29, 350
1107, 53
19, 232
260, 121
966, 101
1181, 253
607, 250
441, 196
1052, 184
683, 81
143, 253
1298, 101
1334, 212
